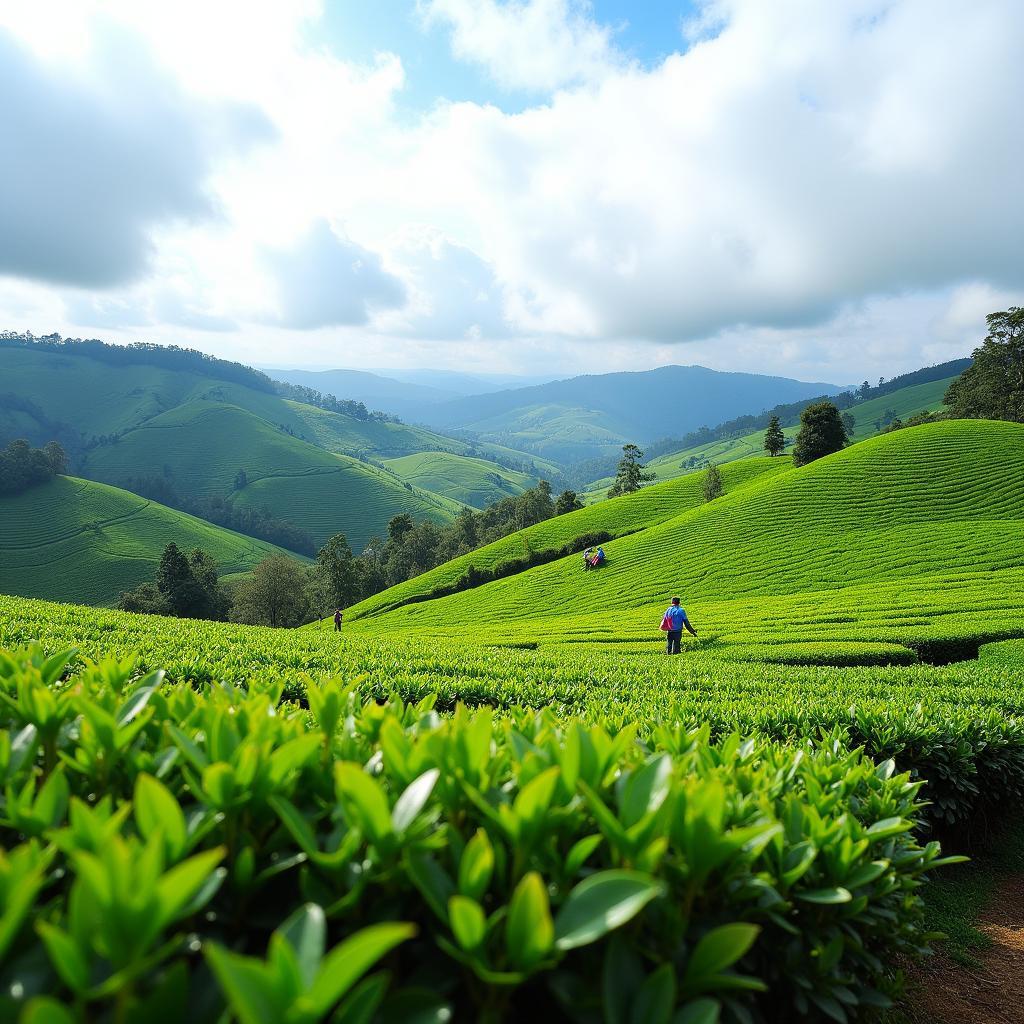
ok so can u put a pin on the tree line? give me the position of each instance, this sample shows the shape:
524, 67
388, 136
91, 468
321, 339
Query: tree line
283, 591
168, 357
22, 466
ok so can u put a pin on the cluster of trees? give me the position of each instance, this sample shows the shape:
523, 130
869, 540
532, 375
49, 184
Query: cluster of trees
283, 591
22, 466
346, 406
993, 386
186, 586
253, 522
168, 357
630, 474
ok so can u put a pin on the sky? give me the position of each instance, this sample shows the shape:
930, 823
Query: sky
829, 191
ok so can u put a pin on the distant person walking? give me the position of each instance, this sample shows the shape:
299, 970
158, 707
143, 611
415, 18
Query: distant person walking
673, 622
338, 616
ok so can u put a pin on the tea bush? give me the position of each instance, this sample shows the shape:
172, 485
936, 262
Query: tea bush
172, 852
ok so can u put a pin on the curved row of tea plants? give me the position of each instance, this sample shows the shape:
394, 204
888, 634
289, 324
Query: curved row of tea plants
170, 852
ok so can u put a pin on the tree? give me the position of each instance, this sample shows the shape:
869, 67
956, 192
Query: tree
334, 560
210, 600
864, 391
774, 438
176, 583
714, 486
399, 526
630, 475
274, 594
993, 386
849, 422
56, 456
145, 599
567, 501
821, 433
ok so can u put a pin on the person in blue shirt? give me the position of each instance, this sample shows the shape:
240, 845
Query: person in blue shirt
675, 617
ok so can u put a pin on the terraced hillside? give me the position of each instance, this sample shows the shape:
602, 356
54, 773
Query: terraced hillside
78, 540
200, 447
869, 418
575, 530
473, 482
912, 536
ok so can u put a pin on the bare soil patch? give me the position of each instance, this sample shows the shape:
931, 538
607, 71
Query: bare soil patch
945, 992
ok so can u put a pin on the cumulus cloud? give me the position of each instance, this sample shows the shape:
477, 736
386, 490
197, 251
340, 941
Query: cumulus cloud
806, 155
533, 45
453, 293
326, 280
802, 174
96, 157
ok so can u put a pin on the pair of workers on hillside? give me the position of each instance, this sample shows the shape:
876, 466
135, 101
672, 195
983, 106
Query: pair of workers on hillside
673, 622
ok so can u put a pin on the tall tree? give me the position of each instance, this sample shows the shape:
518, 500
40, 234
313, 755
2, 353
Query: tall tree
774, 438
714, 486
334, 560
993, 386
56, 456
821, 433
176, 583
567, 501
273, 594
849, 424
630, 475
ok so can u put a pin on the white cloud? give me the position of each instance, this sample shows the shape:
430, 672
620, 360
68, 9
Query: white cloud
807, 185
326, 280
533, 45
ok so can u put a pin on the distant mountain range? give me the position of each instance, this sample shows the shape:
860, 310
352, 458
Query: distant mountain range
565, 420
586, 416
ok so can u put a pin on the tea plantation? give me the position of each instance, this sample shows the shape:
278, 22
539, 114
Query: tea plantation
503, 802
86, 541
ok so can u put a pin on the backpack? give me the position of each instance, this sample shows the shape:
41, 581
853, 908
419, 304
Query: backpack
666, 623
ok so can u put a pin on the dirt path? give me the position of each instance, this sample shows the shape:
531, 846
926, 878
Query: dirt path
949, 993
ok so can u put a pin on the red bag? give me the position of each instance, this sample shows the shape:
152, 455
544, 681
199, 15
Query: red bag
666, 623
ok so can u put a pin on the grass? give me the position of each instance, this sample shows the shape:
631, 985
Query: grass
475, 482
616, 518
907, 538
78, 540
200, 447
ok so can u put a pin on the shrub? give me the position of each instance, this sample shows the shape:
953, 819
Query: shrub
184, 850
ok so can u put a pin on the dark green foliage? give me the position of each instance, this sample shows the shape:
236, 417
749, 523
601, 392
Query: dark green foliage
186, 586
993, 387
22, 466
774, 438
567, 501
340, 571
254, 522
849, 423
275, 594
917, 420
630, 475
821, 433
169, 357
713, 486
252, 856
241, 479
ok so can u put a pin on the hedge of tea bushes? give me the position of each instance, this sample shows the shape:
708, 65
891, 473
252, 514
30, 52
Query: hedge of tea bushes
182, 853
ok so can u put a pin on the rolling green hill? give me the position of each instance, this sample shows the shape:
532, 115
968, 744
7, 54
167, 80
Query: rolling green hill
908, 536
869, 418
615, 518
78, 540
474, 482
200, 447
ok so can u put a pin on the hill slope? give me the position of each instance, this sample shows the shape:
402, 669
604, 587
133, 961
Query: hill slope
200, 447
616, 517
474, 482
869, 418
889, 534
78, 540
590, 415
